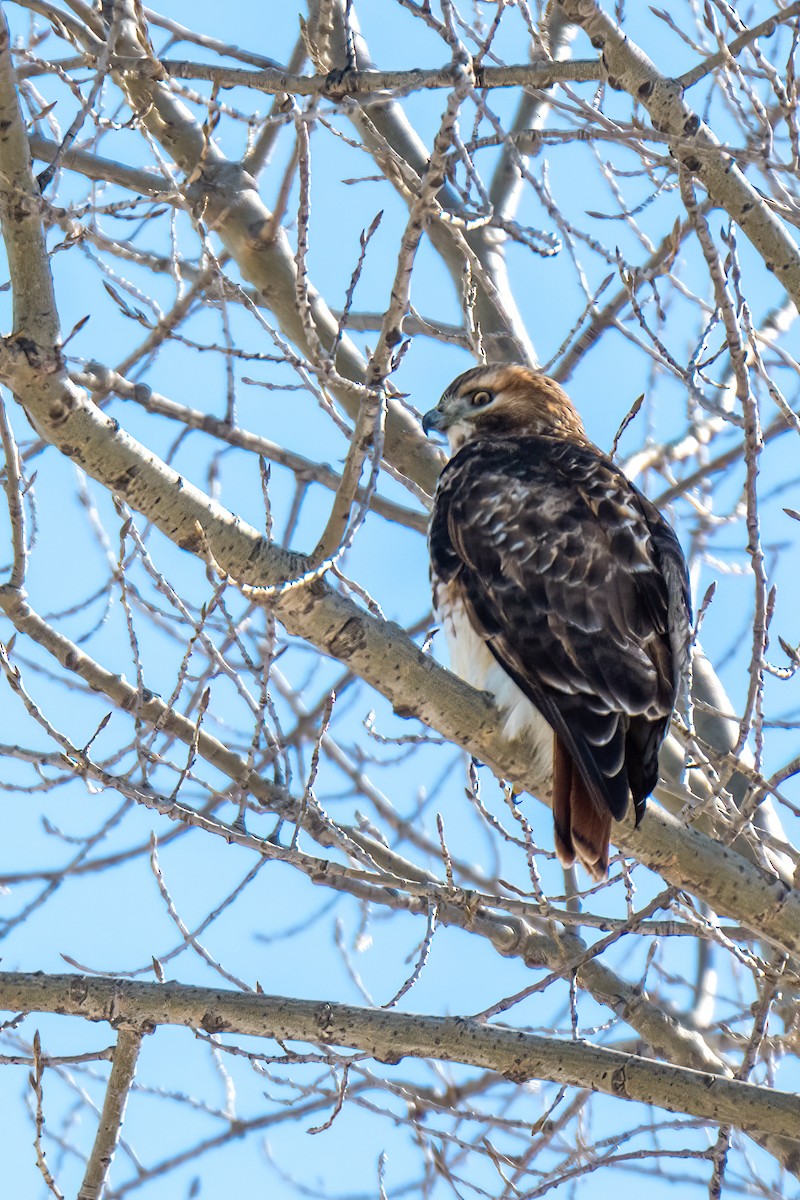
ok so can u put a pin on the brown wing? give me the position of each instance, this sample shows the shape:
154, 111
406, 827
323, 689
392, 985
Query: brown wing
579, 588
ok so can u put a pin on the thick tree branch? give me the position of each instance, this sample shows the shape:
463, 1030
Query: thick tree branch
378, 651
120, 1081
144, 180
337, 85
35, 313
390, 1036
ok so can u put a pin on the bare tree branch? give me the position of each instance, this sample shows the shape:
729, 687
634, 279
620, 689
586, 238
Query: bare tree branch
120, 1081
391, 1036
367, 83
629, 67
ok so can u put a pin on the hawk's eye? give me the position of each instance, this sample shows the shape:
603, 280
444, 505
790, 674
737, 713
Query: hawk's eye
478, 399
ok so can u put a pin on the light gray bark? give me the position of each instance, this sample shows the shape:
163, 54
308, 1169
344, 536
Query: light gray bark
389, 1037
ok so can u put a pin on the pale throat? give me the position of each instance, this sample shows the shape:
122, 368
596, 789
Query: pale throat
458, 433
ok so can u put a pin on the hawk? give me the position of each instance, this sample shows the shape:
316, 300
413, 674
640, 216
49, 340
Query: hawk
563, 593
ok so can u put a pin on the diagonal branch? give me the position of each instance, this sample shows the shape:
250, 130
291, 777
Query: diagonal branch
377, 650
120, 1081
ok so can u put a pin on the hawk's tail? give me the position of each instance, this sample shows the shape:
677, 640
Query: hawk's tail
582, 830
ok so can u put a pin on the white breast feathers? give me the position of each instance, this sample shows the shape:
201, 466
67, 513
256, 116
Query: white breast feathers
473, 661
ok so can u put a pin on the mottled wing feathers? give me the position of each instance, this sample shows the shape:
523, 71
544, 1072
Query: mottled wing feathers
578, 586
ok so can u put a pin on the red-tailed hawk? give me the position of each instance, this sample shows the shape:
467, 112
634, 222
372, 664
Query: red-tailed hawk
563, 593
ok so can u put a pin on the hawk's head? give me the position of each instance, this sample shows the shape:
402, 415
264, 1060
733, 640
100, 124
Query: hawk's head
503, 400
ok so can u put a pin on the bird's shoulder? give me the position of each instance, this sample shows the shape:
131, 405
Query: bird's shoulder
535, 486
553, 524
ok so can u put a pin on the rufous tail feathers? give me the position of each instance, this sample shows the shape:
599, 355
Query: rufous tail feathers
582, 831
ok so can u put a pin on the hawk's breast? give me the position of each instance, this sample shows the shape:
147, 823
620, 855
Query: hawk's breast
473, 661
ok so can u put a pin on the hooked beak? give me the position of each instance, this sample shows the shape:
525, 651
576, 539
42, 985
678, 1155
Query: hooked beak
432, 420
